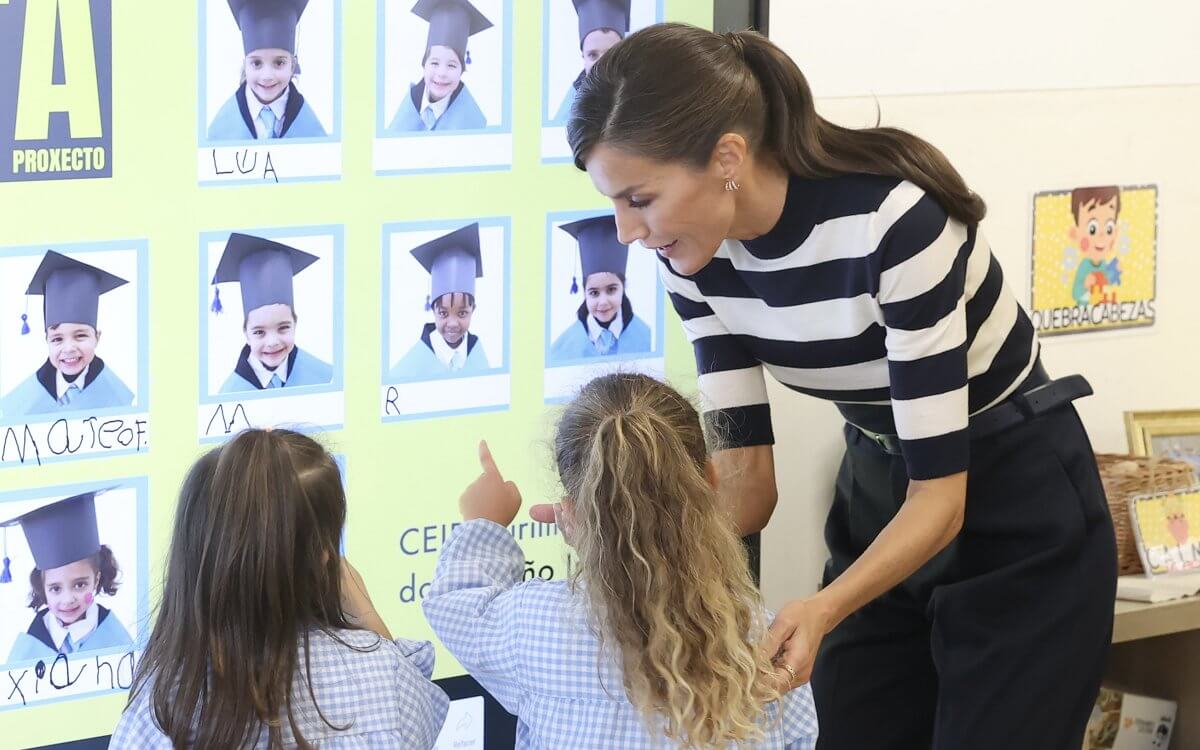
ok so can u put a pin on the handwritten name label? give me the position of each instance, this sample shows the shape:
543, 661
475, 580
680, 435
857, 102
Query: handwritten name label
35, 442
68, 676
309, 411
278, 163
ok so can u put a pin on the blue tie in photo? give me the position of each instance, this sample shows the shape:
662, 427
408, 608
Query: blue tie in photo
267, 115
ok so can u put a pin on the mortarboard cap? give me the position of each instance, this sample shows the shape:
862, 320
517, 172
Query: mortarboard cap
602, 14
264, 269
451, 23
61, 532
70, 289
268, 24
599, 249
453, 261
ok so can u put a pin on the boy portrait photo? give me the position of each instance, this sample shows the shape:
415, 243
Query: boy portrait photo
75, 343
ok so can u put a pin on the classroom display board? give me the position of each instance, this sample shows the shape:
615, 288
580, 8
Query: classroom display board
357, 219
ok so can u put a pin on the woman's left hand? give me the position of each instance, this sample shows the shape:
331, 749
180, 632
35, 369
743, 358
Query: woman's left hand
793, 640
489, 496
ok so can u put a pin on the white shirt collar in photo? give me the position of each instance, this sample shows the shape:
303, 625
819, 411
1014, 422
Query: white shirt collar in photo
594, 327
78, 630
453, 357
265, 375
439, 107
62, 385
255, 106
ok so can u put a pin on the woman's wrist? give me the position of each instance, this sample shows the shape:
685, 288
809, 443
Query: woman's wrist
829, 607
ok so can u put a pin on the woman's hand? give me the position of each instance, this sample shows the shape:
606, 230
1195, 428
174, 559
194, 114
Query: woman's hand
489, 496
356, 603
793, 640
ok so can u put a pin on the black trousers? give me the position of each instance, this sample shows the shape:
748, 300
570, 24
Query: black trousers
1000, 640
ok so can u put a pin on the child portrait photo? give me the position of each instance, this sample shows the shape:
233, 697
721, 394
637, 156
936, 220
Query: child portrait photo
446, 311
75, 341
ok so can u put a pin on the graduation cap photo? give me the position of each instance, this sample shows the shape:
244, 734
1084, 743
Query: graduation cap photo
446, 313
602, 303
261, 273
442, 100
66, 337
447, 345
579, 33
68, 575
254, 52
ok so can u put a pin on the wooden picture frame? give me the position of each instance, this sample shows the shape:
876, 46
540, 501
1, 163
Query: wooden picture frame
1165, 434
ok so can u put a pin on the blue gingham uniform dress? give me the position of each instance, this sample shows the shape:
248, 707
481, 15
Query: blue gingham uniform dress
384, 695
530, 645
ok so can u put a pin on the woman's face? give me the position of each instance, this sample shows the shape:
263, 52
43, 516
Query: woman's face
603, 293
70, 590
72, 347
452, 317
268, 73
443, 71
681, 212
271, 334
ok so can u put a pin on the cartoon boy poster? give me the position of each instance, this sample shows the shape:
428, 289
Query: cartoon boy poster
1094, 258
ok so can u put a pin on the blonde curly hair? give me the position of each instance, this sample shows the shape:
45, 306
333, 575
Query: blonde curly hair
662, 567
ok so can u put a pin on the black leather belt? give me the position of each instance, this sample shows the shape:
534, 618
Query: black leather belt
1036, 396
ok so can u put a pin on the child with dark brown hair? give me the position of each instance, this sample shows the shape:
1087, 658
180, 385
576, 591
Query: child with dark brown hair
265, 635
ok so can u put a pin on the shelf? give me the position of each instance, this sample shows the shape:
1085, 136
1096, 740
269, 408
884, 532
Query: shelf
1137, 620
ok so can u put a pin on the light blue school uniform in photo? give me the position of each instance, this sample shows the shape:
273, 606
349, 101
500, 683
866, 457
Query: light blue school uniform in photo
531, 646
38, 642
422, 362
379, 690
454, 261
70, 292
564, 109
594, 15
266, 24
301, 368
461, 113
451, 24
96, 388
586, 338
600, 251
60, 533
236, 122
264, 269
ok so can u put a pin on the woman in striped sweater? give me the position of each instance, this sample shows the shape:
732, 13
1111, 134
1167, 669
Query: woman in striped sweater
968, 598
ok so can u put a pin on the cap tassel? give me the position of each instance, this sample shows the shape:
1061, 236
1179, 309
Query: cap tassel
467, 61
24, 324
574, 285
428, 303
6, 573
217, 307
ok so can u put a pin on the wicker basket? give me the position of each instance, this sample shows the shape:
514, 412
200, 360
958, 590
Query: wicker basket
1126, 476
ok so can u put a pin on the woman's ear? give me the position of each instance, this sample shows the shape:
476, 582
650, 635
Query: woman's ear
729, 154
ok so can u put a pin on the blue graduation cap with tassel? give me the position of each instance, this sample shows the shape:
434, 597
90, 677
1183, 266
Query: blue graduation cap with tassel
70, 291
599, 249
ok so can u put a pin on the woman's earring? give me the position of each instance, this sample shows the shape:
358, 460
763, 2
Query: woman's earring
731, 185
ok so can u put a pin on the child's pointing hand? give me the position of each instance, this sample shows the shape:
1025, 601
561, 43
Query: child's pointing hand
490, 496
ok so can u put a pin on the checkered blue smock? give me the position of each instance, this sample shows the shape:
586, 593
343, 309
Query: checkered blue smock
530, 645
384, 695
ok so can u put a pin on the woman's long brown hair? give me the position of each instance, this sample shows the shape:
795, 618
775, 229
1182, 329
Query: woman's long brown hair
662, 568
670, 91
254, 567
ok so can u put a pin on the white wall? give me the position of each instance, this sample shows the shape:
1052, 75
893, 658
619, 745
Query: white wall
1009, 145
